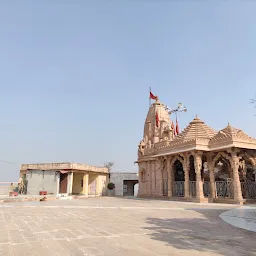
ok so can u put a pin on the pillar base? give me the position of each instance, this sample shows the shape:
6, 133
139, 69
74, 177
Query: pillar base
202, 199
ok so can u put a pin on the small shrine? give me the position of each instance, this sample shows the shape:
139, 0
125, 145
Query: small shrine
199, 164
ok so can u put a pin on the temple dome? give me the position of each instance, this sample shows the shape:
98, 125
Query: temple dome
196, 129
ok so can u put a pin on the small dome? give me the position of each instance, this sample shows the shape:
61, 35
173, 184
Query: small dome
196, 129
231, 132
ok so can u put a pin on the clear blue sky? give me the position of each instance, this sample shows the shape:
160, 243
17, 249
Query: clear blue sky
75, 74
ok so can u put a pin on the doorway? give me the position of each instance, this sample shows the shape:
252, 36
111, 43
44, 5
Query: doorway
128, 187
63, 183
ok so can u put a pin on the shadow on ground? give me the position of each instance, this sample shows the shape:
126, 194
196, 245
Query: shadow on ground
205, 234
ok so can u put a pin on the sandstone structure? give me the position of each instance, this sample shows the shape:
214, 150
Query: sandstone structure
199, 164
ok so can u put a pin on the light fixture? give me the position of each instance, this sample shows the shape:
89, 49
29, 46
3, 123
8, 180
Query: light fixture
180, 108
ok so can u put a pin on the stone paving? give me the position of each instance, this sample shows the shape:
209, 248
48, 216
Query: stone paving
119, 226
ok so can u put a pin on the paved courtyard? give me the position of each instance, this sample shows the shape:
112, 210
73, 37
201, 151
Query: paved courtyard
119, 226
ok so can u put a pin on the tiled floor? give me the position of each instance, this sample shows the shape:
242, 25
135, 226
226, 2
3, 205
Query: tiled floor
119, 226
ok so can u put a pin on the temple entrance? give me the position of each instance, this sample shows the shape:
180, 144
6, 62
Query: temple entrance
223, 178
179, 179
63, 183
247, 177
205, 176
192, 177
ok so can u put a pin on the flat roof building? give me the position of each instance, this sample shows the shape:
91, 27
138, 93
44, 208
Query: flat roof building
64, 179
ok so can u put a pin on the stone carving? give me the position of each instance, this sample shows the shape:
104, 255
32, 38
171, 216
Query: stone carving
149, 144
141, 148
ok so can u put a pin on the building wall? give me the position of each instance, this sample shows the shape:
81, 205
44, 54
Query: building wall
100, 181
39, 180
77, 182
118, 180
102, 184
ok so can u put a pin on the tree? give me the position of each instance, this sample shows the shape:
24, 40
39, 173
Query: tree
109, 165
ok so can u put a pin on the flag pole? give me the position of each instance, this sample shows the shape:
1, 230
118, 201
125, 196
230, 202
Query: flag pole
149, 96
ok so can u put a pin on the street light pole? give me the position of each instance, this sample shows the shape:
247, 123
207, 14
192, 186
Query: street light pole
180, 108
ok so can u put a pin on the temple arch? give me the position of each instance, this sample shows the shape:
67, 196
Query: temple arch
179, 177
247, 175
223, 175
177, 158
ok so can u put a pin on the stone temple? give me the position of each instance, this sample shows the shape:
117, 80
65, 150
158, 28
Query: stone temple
199, 164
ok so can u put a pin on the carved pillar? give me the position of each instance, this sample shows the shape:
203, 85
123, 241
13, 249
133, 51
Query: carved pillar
150, 177
154, 177
161, 179
146, 189
212, 176
236, 181
170, 180
186, 174
199, 183
212, 180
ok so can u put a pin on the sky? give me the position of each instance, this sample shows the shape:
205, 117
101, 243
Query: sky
75, 75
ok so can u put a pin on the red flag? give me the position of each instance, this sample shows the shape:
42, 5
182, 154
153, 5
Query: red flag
173, 128
177, 127
152, 96
157, 119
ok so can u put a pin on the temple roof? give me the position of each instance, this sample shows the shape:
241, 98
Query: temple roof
196, 129
231, 134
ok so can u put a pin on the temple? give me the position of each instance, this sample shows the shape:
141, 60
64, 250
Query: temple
199, 164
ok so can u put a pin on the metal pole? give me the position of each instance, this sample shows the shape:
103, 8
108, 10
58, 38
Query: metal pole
149, 96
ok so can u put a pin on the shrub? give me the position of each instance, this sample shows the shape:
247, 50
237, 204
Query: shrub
111, 186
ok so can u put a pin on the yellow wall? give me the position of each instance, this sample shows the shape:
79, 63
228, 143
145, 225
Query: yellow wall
77, 188
101, 182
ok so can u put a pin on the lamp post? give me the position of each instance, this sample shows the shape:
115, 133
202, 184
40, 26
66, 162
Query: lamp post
180, 108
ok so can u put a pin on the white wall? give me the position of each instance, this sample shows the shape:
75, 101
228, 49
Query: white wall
118, 179
39, 180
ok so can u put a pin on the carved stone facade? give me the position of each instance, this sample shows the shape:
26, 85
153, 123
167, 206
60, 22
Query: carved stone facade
200, 164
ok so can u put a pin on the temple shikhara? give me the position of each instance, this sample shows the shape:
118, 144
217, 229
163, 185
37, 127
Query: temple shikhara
199, 164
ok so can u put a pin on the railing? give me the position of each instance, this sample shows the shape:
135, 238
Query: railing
248, 189
178, 188
224, 189
207, 188
192, 188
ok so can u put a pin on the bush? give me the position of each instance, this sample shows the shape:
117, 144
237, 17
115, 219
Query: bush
111, 186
